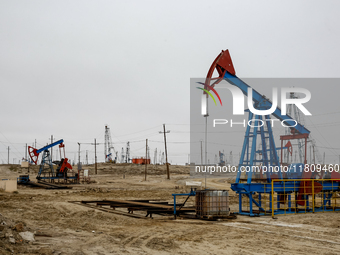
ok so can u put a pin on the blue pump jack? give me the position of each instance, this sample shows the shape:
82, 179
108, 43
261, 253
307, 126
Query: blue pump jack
246, 187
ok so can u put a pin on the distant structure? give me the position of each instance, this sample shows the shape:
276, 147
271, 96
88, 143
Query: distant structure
122, 156
222, 158
162, 159
295, 113
140, 161
108, 145
127, 155
155, 157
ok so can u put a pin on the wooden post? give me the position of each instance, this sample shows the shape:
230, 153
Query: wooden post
95, 155
146, 158
166, 154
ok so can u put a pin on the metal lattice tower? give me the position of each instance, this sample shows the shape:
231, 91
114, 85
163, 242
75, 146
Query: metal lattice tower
155, 157
127, 156
162, 158
108, 145
222, 159
295, 113
122, 156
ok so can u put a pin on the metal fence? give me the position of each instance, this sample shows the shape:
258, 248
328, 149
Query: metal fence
308, 196
292, 196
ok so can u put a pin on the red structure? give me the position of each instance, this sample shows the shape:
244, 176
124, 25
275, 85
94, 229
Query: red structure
141, 161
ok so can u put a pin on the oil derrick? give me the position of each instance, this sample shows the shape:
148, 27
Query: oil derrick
294, 112
127, 155
155, 157
122, 156
108, 145
222, 161
162, 159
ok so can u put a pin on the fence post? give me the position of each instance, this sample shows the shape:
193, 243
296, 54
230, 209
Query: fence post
272, 197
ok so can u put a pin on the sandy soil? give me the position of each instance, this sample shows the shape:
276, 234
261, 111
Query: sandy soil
61, 227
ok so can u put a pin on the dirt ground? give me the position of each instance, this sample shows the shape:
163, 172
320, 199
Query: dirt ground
61, 227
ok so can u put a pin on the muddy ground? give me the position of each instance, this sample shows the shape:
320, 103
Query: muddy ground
61, 227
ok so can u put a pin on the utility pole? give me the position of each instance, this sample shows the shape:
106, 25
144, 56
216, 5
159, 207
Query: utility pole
206, 136
206, 129
324, 155
35, 143
146, 158
87, 159
95, 155
79, 154
51, 148
26, 152
166, 151
8, 156
201, 154
205, 173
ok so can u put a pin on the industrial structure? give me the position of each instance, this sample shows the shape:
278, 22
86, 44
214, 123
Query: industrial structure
222, 160
273, 191
108, 146
47, 172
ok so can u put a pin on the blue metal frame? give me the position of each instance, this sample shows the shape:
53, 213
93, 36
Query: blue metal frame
263, 101
287, 187
192, 193
248, 154
46, 159
50, 146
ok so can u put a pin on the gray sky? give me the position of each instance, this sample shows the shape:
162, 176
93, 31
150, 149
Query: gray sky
67, 68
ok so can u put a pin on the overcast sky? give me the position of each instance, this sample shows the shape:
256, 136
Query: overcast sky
68, 68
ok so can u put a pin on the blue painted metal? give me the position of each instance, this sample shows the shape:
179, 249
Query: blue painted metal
224, 67
46, 160
248, 154
50, 146
23, 179
288, 186
264, 102
192, 193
